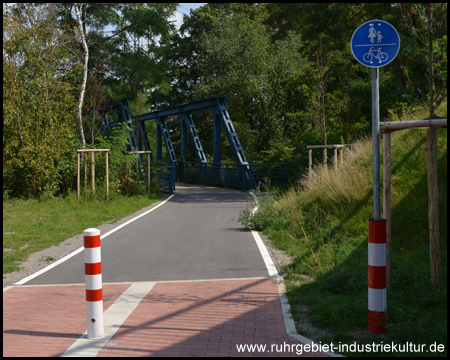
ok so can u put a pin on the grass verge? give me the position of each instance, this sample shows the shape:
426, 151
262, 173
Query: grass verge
33, 225
323, 225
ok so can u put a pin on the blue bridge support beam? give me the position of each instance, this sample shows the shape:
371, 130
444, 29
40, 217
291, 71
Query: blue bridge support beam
221, 120
188, 126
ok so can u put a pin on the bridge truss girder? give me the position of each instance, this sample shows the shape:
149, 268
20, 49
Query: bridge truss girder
221, 120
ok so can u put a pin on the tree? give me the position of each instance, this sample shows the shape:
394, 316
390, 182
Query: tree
37, 126
183, 53
94, 109
78, 10
427, 23
226, 49
49, 52
322, 67
239, 59
131, 55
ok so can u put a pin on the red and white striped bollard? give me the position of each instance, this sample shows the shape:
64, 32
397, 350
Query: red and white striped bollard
93, 279
377, 275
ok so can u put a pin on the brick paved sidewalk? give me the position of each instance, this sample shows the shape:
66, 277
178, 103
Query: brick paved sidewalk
196, 318
45, 320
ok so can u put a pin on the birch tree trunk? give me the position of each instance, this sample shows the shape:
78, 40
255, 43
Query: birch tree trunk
78, 8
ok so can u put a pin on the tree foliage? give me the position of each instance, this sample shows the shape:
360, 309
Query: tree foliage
261, 80
42, 78
130, 53
38, 133
289, 75
426, 25
286, 69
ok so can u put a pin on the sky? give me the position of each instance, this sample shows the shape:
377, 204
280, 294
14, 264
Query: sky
184, 8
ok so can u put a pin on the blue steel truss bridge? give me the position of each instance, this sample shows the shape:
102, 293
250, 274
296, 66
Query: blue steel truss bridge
241, 174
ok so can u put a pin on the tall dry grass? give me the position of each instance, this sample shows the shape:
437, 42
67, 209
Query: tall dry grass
336, 189
323, 224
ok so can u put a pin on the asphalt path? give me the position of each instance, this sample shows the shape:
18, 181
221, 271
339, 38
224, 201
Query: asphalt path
195, 235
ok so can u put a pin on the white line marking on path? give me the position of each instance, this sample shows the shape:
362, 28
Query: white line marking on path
273, 272
289, 323
114, 317
56, 263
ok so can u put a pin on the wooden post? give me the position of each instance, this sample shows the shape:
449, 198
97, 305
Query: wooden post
325, 163
335, 158
93, 172
78, 175
107, 177
85, 169
341, 155
387, 200
310, 164
79, 157
137, 164
433, 209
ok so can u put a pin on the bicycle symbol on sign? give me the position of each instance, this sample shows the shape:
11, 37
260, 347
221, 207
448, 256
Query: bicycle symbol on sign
377, 54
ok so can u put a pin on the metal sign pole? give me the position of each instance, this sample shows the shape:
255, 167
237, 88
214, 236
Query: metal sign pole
377, 226
375, 44
376, 143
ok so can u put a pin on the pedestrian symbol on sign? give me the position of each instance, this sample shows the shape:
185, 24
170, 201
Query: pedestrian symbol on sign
379, 37
375, 43
372, 33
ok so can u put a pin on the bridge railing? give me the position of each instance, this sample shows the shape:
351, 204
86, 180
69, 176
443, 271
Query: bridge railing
167, 177
245, 177
276, 173
233, 175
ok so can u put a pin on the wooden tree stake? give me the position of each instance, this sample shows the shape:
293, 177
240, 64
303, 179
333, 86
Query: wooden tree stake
433, 207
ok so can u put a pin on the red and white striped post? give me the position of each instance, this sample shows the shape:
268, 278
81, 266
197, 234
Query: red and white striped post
93, 278
377, 275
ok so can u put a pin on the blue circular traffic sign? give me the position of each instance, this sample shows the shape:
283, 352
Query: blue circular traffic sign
375, 43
